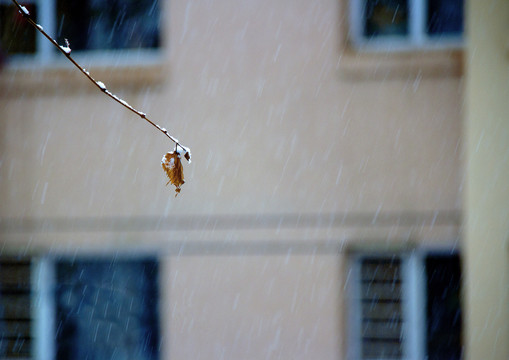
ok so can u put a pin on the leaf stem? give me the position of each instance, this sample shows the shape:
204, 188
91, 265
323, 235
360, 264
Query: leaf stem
67, 53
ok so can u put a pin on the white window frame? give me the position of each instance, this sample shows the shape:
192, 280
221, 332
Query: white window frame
417, 38
46, 56
413, 303
44, 308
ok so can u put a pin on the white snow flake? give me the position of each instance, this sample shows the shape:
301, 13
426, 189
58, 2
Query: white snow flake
66, 49
25, 10
182, 150
101, 85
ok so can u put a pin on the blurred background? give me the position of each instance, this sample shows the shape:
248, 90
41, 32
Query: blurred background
347, 197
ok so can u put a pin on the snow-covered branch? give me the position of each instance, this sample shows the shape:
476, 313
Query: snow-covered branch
180, 150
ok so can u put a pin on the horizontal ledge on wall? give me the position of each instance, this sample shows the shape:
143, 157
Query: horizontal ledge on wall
358, 66
226, 244
68, 80
205, 222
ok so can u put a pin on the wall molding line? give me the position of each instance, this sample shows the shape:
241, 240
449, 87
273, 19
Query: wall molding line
231, 221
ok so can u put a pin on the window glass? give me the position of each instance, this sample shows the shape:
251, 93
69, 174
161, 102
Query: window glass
386, 17
111, 24
107, 310
445, 17
443, 307
382, 316
394, 309
15, 309
16, 35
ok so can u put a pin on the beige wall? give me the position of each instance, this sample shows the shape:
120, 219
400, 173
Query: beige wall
255, 307
256, 90
487, 194
300, 148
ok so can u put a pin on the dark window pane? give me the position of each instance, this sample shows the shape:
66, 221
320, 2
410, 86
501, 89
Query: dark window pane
381, 304
17, 36
108, 24
445, 17
443, 307
386, 17
15, 308
107, 310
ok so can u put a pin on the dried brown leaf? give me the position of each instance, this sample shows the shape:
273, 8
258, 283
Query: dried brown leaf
173, 168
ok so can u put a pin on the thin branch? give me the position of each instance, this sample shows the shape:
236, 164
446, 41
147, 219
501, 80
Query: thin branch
66, 50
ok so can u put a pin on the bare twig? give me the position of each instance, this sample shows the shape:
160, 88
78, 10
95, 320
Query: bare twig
66, 50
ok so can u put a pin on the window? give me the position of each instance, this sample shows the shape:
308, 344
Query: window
443, 310
406, 24
79, 309
15, 314
106, 310
381, 308
92, 26
405, 306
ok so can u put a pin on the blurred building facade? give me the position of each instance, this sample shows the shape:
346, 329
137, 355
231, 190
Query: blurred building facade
486, 234
322, 212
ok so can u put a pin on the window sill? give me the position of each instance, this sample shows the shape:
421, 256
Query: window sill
63, 77
357, 65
